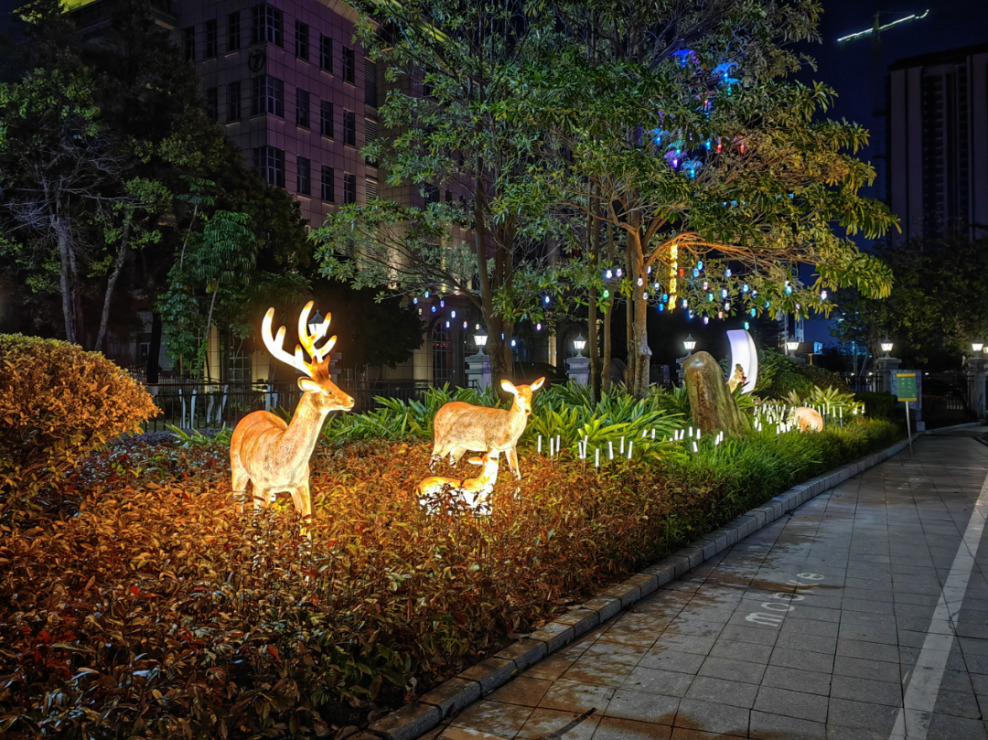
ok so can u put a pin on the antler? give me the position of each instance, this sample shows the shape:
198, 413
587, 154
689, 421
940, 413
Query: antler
297, 361
309, 340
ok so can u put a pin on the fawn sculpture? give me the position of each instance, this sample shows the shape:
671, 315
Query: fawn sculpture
461, 426
272, 455
807, 419
474, 491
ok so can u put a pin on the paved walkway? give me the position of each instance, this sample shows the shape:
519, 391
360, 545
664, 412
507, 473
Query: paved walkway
819, 626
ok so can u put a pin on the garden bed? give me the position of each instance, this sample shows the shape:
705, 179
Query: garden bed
139, 599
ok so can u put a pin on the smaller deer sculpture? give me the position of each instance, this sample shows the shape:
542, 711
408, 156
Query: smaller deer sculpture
272, 455
807, 419
461, 426
475, 492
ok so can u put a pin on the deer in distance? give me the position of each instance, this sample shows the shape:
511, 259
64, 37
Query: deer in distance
474, 491
272, 455
461, 426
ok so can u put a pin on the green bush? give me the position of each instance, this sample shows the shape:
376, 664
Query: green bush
778, 376
878, 405
57, 404
823, 378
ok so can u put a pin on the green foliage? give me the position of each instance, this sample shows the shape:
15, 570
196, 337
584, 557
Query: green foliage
778, 376
878, 405
823, 378
58, 404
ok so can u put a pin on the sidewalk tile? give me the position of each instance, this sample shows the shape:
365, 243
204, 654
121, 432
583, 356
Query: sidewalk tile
710, 717
559, 725
643, 707
720, 691
788, 703
613, 728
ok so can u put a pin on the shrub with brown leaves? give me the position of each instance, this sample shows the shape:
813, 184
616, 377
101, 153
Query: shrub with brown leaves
155, 608
57, 404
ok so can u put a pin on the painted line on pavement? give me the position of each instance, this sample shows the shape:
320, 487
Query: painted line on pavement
913, 719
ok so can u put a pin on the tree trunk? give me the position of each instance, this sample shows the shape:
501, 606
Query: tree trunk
66, 280
154, 348
209, 326
111, 285
593, 344
605, 370
639, 354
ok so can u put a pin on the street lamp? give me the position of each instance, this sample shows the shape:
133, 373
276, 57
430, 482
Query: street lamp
977, 345
316, 322
792, 345
579, 343
480, 339
689, 344
886, 346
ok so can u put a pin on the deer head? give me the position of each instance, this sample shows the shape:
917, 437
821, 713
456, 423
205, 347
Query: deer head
317, 383
523, 394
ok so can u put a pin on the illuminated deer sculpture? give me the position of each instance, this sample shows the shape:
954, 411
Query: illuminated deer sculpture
460, 427
272, 455
474, 492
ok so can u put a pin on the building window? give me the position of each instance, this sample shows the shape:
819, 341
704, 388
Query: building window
371, 187
302, 40
349, 128
269, 96
349, 188
270, 164
325, 53
328, 191
301, 108
370, 136
348, 65
370, 82
212, 105
431, 193
233, 32
189, 43
326, 118
212, 42
233, 101
302, 171
267, 26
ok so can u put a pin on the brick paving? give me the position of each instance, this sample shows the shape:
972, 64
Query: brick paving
808, 629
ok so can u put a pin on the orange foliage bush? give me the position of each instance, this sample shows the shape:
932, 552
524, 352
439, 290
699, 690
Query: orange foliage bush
154, 609
57, 403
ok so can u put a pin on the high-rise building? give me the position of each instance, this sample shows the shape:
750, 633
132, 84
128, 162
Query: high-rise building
937, 133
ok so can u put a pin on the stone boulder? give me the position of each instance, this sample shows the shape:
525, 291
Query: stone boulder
714, 408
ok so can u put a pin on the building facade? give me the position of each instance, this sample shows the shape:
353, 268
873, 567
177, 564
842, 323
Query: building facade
937, 133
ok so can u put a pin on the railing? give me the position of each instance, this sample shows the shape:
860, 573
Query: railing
189, 405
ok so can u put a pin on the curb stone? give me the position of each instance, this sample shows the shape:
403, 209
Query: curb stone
414, 720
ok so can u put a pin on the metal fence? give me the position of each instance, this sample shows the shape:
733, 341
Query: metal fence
190, 405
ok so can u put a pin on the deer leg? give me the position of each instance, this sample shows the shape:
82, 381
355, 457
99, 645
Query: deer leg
455, 454
303, 505
438, 453
512, 456
262, 497
239, 485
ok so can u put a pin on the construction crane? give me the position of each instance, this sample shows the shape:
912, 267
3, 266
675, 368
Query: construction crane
878, 85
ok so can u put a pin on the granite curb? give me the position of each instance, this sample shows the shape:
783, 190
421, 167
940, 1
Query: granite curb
447, 699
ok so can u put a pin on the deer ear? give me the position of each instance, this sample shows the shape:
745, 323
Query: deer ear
537, 384
509, 387
308, 385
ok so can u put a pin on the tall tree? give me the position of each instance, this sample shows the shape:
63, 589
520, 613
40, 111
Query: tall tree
461, 56
675, 124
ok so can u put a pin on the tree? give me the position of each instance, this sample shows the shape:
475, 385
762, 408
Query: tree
937, 307
674, 124
466, 53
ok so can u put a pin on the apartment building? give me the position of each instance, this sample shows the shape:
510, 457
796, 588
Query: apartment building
937, 133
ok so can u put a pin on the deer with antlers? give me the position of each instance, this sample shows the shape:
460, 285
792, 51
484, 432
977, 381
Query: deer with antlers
272, 455
461, 426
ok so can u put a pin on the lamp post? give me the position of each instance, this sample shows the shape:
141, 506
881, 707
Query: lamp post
791, 346
689, 344
887, 345
479, 365
578, 368
886, 366
976, 368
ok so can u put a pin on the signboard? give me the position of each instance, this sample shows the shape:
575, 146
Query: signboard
906, 386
